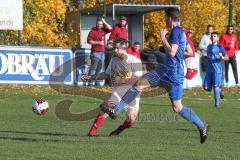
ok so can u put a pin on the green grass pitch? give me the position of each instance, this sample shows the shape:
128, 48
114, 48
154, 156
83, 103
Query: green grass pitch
159, 133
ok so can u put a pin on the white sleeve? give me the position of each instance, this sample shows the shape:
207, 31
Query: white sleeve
137, 67
202, 44
109, 68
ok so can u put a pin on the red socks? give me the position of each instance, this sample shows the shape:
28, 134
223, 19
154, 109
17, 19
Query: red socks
97, 124
100, 120
191, 73
127, 124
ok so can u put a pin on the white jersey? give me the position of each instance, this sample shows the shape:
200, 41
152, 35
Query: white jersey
125, 68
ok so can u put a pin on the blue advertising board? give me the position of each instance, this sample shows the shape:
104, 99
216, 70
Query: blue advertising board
35, 65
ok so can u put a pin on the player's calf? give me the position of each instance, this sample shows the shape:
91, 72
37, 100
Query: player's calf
217, 97
121, 128
98, 122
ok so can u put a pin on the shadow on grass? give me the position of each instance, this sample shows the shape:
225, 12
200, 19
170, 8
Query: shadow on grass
81, 139
32, 139
210, 130
40, 133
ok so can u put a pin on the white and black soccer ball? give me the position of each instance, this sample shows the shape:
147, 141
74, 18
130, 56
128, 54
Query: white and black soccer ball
40, 106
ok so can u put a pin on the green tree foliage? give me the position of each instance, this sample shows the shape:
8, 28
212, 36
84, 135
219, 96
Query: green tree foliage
45, 20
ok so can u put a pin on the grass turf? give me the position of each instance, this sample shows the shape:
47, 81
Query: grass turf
159, 133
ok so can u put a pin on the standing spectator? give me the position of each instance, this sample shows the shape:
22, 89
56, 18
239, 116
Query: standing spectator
205, 41
120, 30
190, 59
96, 38
229, 41
134, 50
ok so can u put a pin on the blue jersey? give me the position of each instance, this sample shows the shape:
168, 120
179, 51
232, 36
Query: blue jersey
175, 69
214, 53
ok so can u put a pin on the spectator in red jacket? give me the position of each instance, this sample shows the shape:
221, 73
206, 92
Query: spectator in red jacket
229, 41
134, 50
96, 38
120, 30
190, 59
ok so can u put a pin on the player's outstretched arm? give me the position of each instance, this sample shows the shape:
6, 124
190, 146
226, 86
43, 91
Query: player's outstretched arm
100, 76
170, 49
128, 81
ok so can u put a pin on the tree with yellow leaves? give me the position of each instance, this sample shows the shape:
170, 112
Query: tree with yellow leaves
45, 21
44, 24
196, 14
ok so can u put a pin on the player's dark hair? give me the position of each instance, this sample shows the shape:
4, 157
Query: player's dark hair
230, 25
173, 13
214, 33
99, 18
210, 26
137, 43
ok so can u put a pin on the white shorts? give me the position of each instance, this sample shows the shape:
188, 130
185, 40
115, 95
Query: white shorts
117, 94
191, 63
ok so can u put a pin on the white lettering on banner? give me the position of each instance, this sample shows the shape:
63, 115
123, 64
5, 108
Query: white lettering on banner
41, 65
13, 64
52, 66
35, 65
3, 59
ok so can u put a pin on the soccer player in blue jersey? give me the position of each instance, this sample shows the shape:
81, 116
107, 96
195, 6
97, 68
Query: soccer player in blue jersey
170, 76
215, 54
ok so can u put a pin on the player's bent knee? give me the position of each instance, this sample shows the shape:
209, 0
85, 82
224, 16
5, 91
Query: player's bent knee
142, 84
177, 107
132, 116
217, 88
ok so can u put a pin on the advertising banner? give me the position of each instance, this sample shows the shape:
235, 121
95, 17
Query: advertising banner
35, 65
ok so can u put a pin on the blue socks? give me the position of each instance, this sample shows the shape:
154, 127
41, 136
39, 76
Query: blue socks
191, 116
129, 96
121, 105
216, 92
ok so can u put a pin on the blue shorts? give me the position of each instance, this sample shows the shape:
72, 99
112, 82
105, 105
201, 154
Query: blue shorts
211, 80
158, 77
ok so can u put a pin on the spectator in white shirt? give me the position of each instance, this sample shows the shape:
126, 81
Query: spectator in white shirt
205, 41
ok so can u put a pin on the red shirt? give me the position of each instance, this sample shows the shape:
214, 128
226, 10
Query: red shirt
119, 32
191, 43
229, 39
97, 35
132, 52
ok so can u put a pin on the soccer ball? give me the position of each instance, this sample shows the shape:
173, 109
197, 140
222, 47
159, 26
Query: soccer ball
40, 106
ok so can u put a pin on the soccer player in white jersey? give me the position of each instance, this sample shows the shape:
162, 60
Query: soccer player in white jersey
124, 70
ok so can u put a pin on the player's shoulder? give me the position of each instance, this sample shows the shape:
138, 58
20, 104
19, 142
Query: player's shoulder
177, 29
133, 59
220, 47
209, 46
206, 36
115, 60
94, 29
117, 26
235, 36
